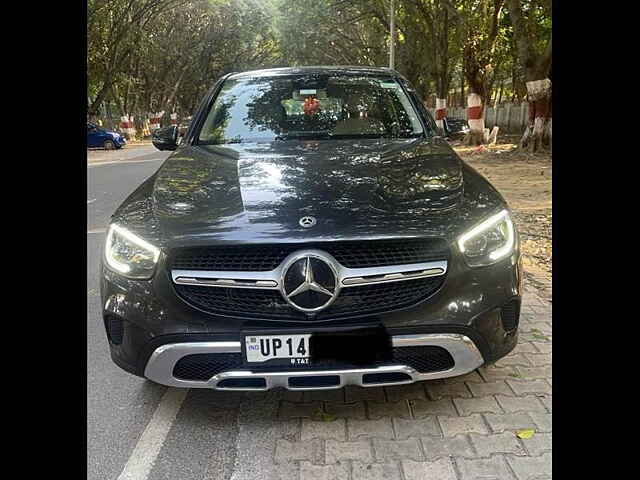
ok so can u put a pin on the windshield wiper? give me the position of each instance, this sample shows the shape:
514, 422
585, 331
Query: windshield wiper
307, 135
359, 135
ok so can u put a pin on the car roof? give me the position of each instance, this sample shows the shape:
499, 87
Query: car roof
327, 70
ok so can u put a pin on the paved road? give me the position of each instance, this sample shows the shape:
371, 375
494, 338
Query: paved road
130, 153
456, 429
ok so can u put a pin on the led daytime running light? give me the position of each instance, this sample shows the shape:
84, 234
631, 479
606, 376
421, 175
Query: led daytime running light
487, 225
123, 267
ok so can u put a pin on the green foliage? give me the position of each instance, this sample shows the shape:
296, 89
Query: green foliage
154, 55
312, 32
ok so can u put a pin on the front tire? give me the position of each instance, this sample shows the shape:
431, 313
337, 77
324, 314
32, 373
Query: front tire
109, 145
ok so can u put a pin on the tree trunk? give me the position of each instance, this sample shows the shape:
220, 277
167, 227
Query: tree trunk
475, 119
499, 97
537, 133
441, 113
94, 109
117, 99
537, 68
462, 88
170, 101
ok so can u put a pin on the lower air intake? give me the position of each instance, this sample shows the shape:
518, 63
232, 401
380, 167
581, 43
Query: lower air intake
115, 329
314, 382
385, 377
257, 383
203, 366
510, 315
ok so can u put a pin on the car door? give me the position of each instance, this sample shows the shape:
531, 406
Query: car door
94, 138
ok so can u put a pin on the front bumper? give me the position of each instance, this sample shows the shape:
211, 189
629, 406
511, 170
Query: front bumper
161, 364
465, 316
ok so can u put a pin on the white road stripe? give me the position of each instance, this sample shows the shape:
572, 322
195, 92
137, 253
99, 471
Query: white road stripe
146, 450
91, 201
96, 230
99, 164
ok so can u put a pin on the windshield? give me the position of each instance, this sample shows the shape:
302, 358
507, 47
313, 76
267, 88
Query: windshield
309, 107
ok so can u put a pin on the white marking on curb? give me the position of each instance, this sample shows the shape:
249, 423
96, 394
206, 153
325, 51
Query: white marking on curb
96, 230
150, 442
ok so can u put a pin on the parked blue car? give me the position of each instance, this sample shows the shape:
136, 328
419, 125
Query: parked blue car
99, 137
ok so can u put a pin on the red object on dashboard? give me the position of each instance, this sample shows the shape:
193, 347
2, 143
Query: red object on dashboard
311, 105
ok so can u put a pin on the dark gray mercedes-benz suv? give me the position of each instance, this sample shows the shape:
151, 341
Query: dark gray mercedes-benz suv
310, 231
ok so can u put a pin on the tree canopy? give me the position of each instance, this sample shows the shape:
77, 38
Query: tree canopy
163, 55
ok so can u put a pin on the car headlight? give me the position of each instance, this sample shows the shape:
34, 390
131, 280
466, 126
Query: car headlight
130, 255
489, 241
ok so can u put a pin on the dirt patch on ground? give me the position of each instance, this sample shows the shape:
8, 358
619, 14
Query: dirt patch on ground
524, 179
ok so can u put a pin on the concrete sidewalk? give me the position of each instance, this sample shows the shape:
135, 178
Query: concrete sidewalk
453, 429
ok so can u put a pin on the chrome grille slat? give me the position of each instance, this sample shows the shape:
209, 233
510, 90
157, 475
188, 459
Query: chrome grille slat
359, 291
346, 276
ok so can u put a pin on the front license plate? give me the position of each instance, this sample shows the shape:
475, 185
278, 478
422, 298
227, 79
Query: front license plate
263, 348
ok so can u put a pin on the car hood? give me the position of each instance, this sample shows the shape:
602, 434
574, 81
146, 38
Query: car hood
258, 192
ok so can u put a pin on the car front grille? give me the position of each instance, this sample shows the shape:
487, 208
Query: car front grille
203, 366
351, 254
269, 304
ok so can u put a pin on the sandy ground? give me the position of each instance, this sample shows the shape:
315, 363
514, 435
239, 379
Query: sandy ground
524, 179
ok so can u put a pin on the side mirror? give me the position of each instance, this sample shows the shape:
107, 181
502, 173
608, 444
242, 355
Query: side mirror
165, 138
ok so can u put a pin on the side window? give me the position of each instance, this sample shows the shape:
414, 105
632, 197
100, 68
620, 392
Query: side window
425, 113
428, 119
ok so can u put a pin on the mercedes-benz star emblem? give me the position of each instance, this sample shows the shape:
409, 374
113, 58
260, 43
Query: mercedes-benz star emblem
307, 222
309, 283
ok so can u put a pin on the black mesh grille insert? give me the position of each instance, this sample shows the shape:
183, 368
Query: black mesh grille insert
389, 377
243, 383
115, 329
203, 366
353, 254
309, 382
269, 304
510, 315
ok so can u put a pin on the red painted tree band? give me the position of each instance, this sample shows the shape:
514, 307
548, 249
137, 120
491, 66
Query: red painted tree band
441, 113
474, 113
538, 109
